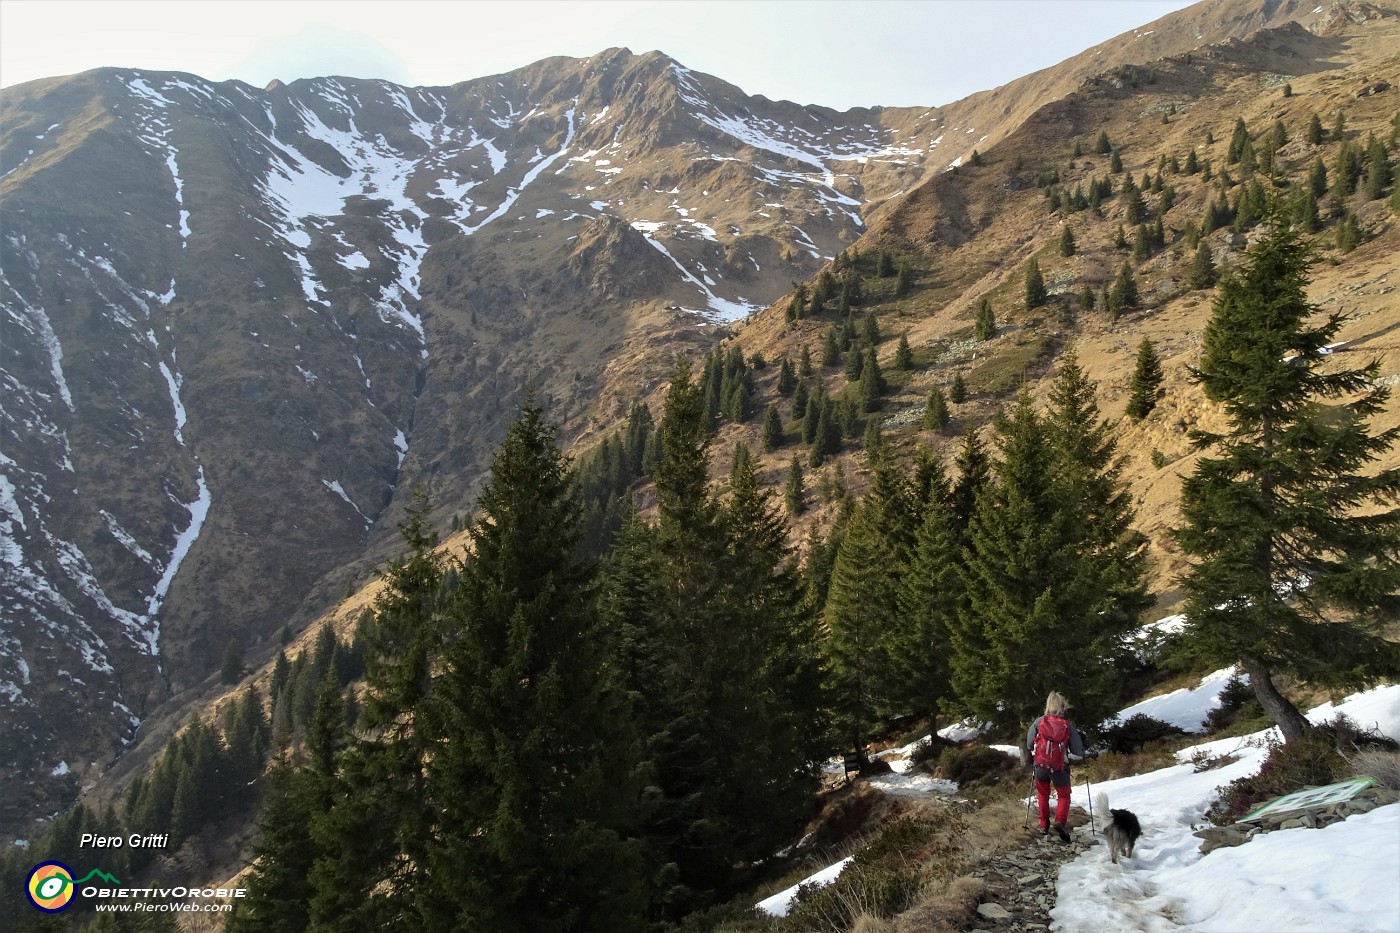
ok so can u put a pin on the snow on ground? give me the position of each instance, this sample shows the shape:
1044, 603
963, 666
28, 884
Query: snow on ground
1341, 878
1186, 708
1338, 879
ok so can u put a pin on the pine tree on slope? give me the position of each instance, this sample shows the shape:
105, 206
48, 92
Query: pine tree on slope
1289, 576
537, 775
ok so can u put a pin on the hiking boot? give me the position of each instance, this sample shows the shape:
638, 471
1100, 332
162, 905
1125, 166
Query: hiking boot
1062, 832
1045, 830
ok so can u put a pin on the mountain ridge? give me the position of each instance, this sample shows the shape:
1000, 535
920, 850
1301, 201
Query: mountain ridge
352, 312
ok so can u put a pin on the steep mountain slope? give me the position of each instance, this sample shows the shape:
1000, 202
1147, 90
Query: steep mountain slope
240, 325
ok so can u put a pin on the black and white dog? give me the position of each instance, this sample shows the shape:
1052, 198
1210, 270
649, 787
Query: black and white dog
1122, 829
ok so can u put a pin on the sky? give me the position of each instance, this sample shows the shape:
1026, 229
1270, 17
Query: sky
1340, 878
836, 53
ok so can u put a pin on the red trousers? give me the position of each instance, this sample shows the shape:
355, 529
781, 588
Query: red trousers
1042, 793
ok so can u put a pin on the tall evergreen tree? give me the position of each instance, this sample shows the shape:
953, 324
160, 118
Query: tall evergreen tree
936, 416
1202, 273
1290, 574
1035, 285
1124, 294
928, 598
861, 610
1054, 574
903, 355
1147, 377
772, 428
794, 490
1067, 245
536, 777
957, 392
730, 744
279, 883
984, 325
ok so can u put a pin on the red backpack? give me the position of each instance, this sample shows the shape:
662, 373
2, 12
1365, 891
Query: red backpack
1052, 742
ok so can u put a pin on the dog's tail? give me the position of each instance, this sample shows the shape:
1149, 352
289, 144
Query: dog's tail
1101, 805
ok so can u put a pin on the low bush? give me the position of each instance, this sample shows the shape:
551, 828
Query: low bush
884, 878
967, 764
1130, 736
1382, 765
1310, 761
1109, 766
1238, 705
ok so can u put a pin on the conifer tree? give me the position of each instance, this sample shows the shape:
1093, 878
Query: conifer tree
884, 264
1086, 297
872, 382
1124, 295
974, 472
536, 777
1147, 378
376, 834
1294, 534
984, 325
772, 428
279, 883
831, 350
1348, 234
1035, 285
800, 397
904, 279
787, 379
936, 415
1103, 146
1378, 174
861, 609
1054, 572
1238, 140
927, 600
1317, 178
1191, 166
1314, 131
1067, 245
804, 366
231, 665
731, 735
794, 490
957, 392
903, 355
1134, 207
855, 364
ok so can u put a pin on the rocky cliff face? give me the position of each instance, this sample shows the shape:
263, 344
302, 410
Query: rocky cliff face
238, 326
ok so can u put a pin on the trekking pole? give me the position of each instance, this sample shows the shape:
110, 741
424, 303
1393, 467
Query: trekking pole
1026, 823
1089, 792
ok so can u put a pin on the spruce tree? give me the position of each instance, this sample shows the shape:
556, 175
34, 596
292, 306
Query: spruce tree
279, 888
957, 392
984, 325
1067, 245
1124, 295
904, 279
730, 733
928, 599
1054, 573
936, 417
1147, 377
831, 351
1293, 533
772, 428
804, 366
536, 776
1202, 273
1314, 131
1238, 140
1348, 234
1378, 172
787, 378
794, 490
1103, 146
861, 609
1035, 285
903, 355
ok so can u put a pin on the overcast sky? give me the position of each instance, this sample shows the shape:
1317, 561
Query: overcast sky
838, 53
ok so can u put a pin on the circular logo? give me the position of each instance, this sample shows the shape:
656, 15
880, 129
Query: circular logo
50, 886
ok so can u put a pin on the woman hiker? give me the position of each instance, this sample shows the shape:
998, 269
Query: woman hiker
1052, 741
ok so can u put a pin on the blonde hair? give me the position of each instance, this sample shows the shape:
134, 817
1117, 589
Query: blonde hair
1055, 705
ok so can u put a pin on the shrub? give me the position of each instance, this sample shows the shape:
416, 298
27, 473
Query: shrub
882, 879
1382, 765
969, 763
1310, 761
1237, 704
1130, 736
1110, 766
